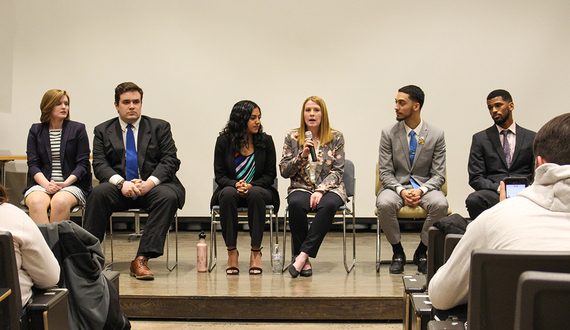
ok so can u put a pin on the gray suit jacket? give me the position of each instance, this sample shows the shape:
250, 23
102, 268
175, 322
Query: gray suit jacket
394, 158
487, 163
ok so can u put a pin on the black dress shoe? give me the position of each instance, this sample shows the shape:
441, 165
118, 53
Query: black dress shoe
397, 265
420, 259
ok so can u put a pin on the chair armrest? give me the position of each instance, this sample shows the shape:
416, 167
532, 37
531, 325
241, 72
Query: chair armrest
47, 299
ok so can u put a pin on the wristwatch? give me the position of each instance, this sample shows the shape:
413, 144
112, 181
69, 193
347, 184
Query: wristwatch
120, 184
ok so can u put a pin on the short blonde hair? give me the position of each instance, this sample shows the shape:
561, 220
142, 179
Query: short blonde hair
49, 101
325, 133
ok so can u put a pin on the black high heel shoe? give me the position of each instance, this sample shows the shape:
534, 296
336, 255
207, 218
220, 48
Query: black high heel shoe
232, 270
252, 270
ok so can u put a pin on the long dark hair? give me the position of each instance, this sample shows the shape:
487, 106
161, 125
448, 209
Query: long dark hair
236, 128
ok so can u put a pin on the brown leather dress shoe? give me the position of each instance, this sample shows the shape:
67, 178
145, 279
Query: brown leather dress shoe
140, 270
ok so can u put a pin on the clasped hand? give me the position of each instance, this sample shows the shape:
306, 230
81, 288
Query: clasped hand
53, 187
242, 188
136, 187
412, 197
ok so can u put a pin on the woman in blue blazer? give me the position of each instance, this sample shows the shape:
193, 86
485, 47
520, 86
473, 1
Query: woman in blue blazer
245, 169
59, 172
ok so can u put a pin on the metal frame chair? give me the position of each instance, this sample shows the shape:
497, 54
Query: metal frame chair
138, 233
406, 214
349, 180
242, 211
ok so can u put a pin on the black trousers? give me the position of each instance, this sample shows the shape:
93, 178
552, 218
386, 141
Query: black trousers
479, 201
255, 201
160, 203
307, 239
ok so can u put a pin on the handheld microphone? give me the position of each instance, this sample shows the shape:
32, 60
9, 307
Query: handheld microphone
309, 135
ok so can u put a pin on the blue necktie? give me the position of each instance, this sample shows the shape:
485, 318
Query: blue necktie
413, 147
132, 167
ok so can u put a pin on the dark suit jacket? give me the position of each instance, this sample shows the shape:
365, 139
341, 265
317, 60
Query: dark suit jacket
74, 151
156, 153
487, 163
225, 168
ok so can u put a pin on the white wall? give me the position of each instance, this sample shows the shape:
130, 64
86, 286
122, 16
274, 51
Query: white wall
195, 59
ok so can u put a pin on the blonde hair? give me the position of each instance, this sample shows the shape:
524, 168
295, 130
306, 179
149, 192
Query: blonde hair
49, 101
325, 132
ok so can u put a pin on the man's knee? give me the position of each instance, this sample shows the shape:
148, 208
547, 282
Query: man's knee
473, 199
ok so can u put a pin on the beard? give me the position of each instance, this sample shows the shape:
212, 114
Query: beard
502, 120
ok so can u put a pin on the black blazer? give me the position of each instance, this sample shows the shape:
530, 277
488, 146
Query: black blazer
225, 168
74, 151
156, 153
488, 165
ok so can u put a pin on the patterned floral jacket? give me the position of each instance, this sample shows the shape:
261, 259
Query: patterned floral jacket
329, 167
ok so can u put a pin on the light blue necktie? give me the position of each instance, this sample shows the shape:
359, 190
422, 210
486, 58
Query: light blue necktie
413, 147
132, 167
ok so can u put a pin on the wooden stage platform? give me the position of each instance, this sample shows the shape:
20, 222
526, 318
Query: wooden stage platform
330, 294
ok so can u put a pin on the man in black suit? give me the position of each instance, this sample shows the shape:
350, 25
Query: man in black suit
139, 174
491, 160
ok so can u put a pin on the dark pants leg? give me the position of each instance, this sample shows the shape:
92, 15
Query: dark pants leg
306, 239
160, 203
255, 201
257, 198
479, 201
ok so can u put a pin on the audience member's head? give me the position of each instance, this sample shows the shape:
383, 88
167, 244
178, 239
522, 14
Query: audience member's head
50, 99
415, 94
552, 142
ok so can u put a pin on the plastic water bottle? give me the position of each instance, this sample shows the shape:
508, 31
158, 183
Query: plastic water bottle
277, 259
202, 253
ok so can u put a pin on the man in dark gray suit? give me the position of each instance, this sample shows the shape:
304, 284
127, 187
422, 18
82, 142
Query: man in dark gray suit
134, 159
489, 164
412, 171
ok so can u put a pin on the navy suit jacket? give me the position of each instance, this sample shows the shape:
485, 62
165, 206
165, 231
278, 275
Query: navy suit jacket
74, 152
156, 153
225, 168
488, 165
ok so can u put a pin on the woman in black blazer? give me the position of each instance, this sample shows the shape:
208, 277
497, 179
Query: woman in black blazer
59, 172
245, 169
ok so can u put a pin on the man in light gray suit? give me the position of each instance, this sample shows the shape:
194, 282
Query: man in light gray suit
412, 171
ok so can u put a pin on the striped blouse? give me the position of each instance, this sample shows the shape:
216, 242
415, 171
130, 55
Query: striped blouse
55, 141
245, 167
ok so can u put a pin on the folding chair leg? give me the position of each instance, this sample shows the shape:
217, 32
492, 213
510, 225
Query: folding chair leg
285, 267
168, 244
138, 232
109, 265
378, 232
213, 247
346, 267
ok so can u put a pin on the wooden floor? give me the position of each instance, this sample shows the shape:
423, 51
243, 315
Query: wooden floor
330, 294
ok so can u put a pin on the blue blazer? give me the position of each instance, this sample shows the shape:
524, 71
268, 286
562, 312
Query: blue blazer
74, 154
